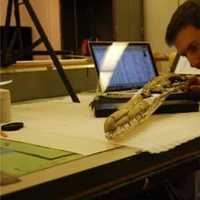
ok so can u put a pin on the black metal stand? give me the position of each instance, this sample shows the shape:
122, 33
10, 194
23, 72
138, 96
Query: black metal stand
8, 57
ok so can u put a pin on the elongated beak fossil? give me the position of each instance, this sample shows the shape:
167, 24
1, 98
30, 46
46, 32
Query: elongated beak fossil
143, 104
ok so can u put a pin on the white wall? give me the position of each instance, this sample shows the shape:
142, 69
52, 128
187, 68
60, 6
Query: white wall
157, 14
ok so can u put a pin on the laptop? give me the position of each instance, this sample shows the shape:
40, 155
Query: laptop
122, 66
181, 65
122, 69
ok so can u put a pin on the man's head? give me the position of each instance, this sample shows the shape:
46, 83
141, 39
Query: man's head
183, 31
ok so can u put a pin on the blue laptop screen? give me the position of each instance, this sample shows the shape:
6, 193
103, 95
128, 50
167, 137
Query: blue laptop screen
123, 65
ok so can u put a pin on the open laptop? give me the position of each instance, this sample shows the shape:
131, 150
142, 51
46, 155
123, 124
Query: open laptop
122, 69
181, 65
122, 66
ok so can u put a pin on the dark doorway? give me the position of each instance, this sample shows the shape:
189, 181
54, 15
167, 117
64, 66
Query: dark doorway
88, 19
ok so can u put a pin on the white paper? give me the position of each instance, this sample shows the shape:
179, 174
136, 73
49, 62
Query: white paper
163, 132
61, 124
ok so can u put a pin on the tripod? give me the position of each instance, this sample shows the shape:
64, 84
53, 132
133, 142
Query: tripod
9, 56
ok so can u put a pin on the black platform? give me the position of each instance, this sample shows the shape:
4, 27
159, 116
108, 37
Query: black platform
175, 103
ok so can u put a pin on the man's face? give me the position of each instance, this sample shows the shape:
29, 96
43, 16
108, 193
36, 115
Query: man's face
187, 43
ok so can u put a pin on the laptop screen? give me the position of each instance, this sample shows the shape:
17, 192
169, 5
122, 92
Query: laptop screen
123, 65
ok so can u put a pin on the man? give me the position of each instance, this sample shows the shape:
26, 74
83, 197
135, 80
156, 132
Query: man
183, 32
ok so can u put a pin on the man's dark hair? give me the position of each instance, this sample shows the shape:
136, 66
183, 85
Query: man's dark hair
186, 14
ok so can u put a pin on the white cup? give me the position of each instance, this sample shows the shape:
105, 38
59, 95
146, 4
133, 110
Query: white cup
5, 106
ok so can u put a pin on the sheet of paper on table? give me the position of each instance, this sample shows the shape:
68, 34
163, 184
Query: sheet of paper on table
163, 132
62, 124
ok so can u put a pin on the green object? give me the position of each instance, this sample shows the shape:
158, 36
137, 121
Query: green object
33, 150
19, 158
